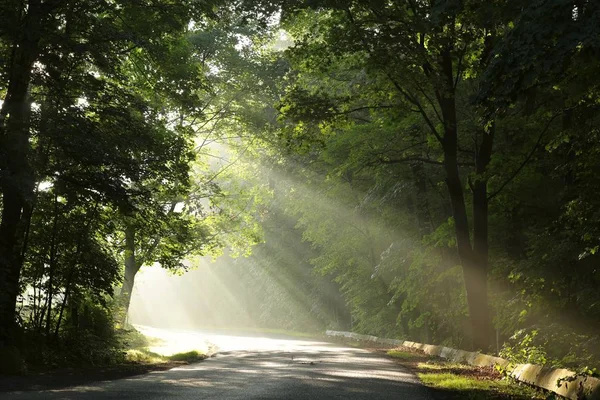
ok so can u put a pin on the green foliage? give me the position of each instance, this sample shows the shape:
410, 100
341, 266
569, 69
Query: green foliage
87, 338
473, 388
402, 355
133, 339
189, 356
467, 381
143, 356
363, 110
524, 349
117, 97
342, 165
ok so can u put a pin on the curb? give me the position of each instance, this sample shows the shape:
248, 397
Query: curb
572, 386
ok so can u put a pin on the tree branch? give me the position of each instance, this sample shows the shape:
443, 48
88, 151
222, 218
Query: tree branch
414, 101
458, 67
527, 159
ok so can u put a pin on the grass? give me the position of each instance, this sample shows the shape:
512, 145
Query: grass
139, 352
443, 366
456, 382
189, 356
475, 388
462, 381
403, 355
133, 357
145, 356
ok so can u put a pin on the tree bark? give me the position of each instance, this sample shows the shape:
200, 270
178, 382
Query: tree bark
131, 269
17, 182
64, 303
473, 261
52, 267
483, 336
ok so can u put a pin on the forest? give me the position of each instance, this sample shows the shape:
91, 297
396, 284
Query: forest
419, 169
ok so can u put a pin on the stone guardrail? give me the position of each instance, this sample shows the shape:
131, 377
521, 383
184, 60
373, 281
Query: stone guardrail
560, 381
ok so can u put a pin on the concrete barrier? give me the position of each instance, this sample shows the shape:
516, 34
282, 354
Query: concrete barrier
560, 381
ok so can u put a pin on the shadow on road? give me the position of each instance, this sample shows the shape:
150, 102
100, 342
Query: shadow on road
311, 371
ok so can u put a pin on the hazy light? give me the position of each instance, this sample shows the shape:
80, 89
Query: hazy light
44, 186
196, 299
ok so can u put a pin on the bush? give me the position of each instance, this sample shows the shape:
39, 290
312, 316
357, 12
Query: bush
132, 338
525, 348
189, 356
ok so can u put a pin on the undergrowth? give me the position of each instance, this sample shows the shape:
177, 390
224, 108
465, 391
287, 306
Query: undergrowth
462, 381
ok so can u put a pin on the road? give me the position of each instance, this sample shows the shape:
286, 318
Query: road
258, 368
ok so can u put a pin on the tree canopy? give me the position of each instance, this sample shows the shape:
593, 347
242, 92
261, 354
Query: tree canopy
417, 169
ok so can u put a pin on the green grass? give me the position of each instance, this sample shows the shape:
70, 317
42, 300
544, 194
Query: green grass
457, 382
189, 356
475, 388
404, 355
441, 366
139, 351
144, 356
462, 381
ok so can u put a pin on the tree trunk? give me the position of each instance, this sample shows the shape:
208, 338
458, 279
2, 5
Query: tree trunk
131, 268
17, 182
483, 336
63, 304
474, 272
52, 267
473, 261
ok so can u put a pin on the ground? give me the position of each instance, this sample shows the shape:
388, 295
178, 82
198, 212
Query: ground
267, 365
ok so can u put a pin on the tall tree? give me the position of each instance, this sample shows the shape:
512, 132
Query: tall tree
426, 59
92, 39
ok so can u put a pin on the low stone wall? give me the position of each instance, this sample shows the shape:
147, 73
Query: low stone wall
576, 388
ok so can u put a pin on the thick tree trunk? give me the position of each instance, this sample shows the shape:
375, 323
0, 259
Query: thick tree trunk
473, 259
16, 183
473, 265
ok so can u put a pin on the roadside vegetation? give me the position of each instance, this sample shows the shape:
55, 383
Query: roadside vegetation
106, 166
127, 353
463, 381
145, 356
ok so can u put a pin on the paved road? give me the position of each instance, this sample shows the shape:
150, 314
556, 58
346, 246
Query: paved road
260, 368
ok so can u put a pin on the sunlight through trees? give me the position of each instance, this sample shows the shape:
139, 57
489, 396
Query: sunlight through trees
414, 169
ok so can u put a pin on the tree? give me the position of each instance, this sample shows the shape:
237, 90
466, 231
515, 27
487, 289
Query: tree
92, 41
461, 86
425, 58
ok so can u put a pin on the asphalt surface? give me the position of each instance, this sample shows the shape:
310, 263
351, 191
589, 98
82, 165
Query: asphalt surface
260, 368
